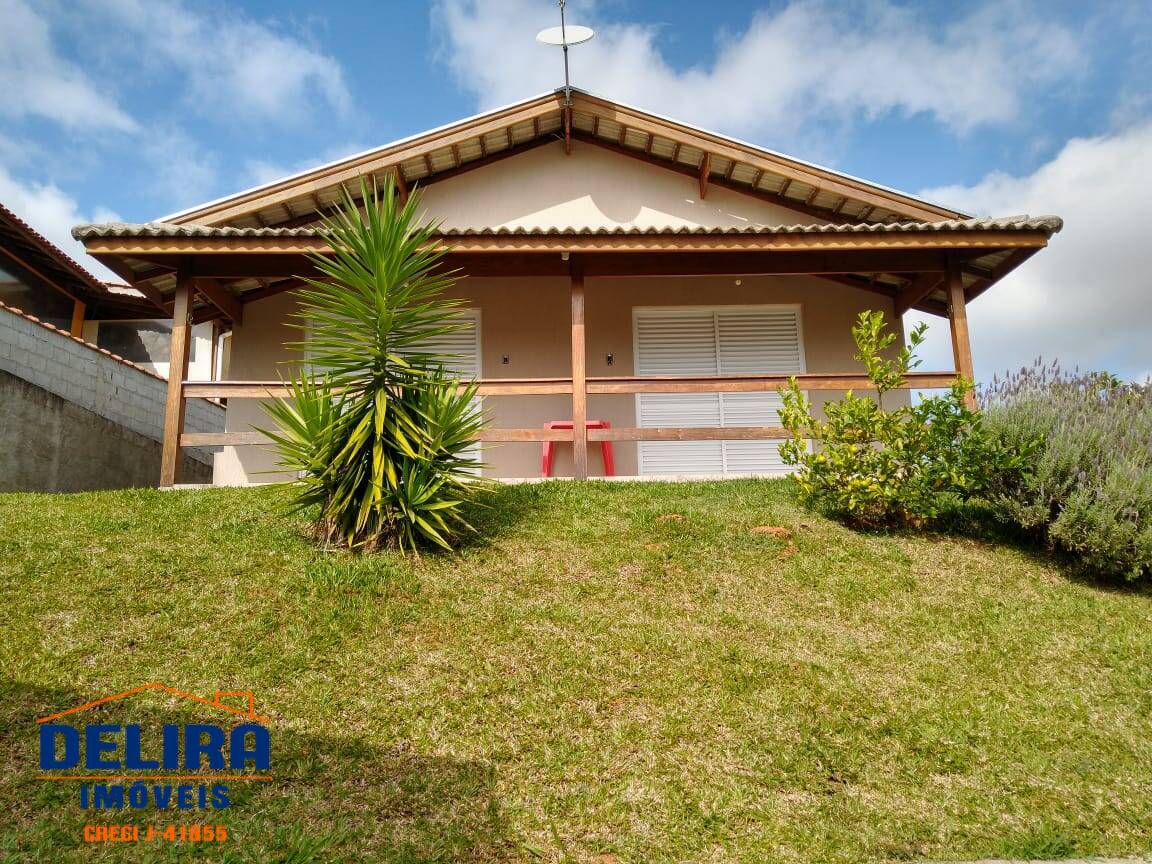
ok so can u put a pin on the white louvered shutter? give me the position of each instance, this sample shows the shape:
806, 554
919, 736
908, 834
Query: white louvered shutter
678, 342
714, 341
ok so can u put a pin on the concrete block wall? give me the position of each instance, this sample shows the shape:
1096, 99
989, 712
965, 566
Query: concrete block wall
96, 380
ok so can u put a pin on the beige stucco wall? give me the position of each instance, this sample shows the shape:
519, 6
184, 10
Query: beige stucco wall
528, 319
257, 352
591, 187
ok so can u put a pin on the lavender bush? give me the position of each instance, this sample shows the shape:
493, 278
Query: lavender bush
1090, 488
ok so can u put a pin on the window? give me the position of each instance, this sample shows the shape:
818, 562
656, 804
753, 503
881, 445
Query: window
140, 341
721, 340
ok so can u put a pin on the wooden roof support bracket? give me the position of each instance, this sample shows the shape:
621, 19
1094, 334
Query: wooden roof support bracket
916, 290
567, 130
221, 298
705, 169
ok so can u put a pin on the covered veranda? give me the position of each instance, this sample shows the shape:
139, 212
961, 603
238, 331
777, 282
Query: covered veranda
199, 273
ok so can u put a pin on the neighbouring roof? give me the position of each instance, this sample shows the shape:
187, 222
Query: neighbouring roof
479, 140
36, 254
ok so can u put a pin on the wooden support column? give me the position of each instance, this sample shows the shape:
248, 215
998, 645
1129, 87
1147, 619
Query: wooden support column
579, 375
78, 309
958, 320
705, 170
212, 373
177, 371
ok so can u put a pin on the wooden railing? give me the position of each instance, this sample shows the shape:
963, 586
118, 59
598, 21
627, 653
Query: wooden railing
595, 386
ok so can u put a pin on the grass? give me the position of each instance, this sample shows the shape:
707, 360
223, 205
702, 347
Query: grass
613, 673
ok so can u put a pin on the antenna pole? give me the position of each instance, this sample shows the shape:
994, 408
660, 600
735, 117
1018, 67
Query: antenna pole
564, 45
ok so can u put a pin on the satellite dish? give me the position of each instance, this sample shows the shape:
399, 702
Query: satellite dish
572, 34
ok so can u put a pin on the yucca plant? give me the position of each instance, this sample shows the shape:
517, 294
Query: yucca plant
378, 434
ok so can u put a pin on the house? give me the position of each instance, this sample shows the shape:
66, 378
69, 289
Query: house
618, 266
82, 365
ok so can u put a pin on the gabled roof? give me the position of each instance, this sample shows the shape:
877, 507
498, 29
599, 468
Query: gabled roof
448, 151
22, 245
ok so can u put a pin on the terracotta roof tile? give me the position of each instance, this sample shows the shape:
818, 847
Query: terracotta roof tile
1048, 224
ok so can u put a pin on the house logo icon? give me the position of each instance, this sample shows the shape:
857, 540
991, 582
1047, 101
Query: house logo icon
167, 765
216, 702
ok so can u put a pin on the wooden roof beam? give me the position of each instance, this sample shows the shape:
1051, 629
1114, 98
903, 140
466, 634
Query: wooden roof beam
688, 170
221, 212
440, 176
705, 169
1014, 260
824, 179
916, 290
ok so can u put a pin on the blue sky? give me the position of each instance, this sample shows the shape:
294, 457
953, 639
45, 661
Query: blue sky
136, 108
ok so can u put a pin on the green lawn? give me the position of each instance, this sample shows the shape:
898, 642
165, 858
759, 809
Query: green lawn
615, 673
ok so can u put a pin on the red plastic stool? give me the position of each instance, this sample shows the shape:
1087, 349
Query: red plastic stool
605, 446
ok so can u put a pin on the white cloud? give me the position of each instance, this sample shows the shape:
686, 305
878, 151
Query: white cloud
811, 61
261, 171
38, 81
180, 171
53, 213
234, 67
1085, 300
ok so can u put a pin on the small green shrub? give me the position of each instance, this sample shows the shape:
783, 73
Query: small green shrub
875, 467
1090, 488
